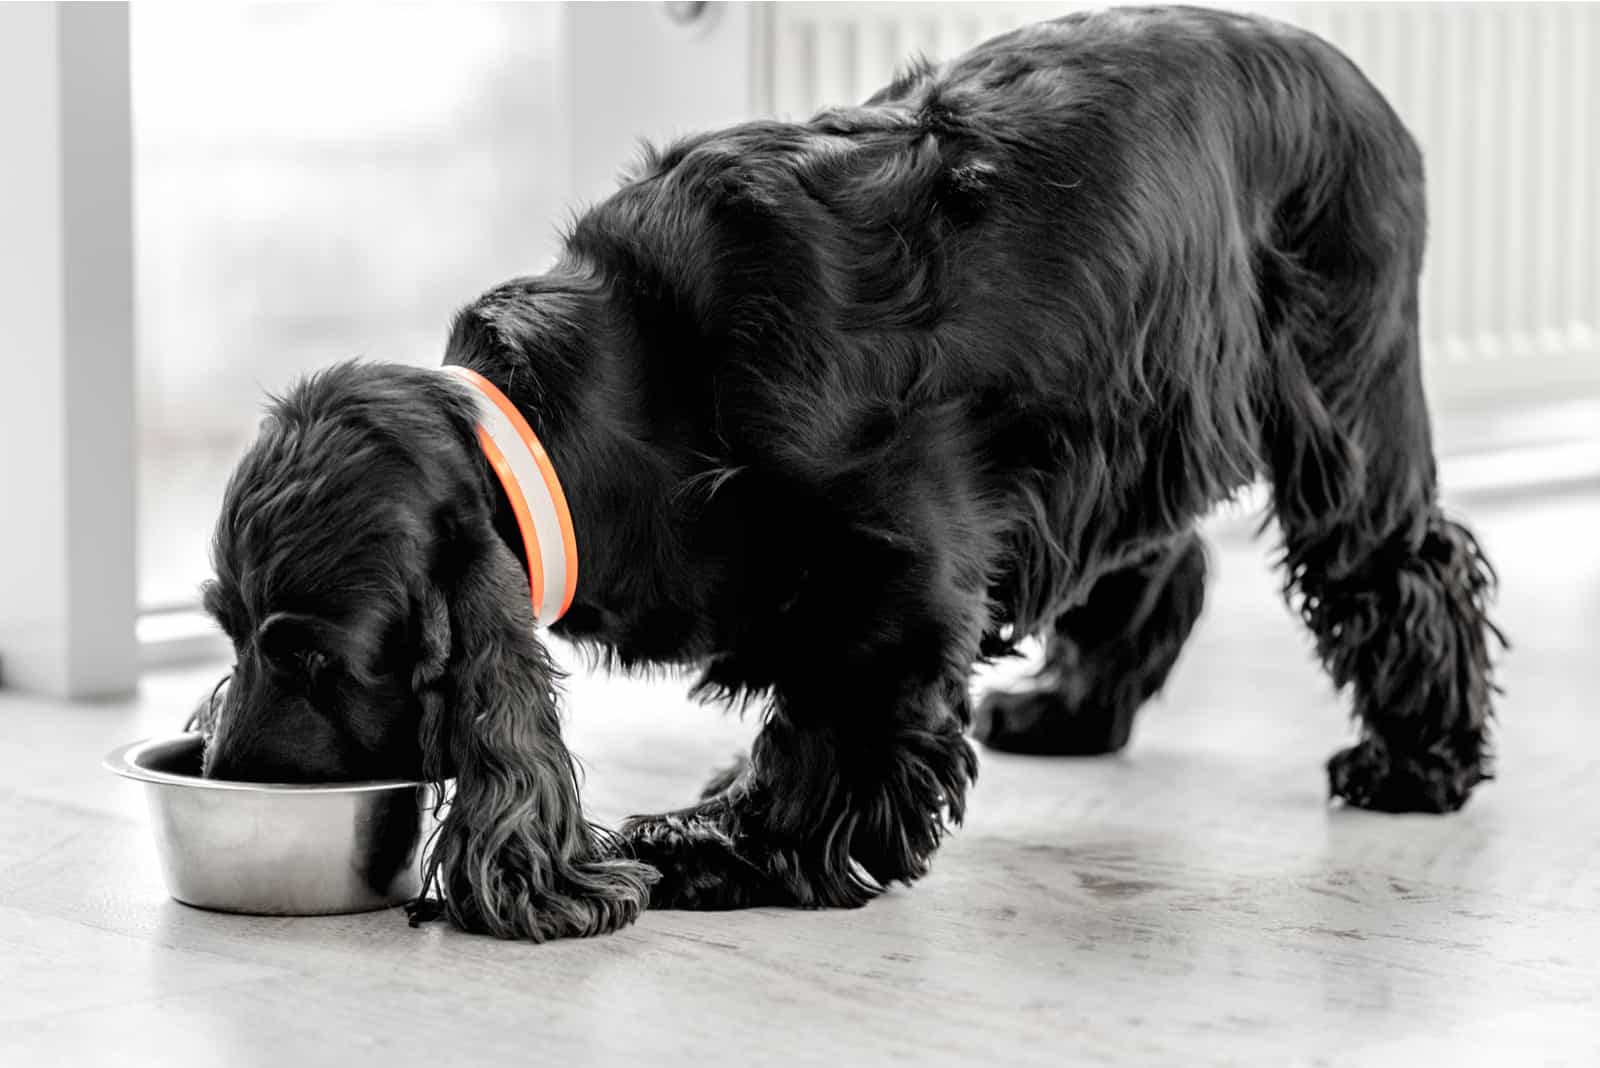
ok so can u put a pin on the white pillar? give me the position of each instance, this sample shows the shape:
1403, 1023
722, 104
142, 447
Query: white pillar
67, 578
634, 72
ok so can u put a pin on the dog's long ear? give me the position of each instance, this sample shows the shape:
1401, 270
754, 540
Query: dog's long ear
514, 856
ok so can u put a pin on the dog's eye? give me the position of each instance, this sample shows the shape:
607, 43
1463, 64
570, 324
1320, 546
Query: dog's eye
288, 641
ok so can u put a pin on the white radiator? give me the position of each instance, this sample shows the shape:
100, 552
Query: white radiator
1503, 98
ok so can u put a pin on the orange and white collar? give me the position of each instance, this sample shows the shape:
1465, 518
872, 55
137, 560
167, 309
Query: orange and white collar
529, 480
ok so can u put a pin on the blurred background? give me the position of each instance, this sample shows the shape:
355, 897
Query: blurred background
318, 182
308, 182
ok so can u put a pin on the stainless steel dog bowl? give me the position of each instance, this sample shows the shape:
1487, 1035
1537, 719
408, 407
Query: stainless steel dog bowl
278, 850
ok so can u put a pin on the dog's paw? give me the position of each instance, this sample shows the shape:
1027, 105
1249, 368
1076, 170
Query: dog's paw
1044, 723
701, 865
587, 897
1369, 776
606, 895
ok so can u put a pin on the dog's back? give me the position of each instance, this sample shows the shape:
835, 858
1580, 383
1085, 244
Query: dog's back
1170, 219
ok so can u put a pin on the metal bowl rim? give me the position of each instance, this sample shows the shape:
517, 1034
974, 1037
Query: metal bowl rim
124, 761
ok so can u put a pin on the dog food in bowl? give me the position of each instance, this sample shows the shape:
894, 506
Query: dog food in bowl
281, 850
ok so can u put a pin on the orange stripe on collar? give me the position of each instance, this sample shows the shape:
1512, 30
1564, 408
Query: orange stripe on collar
529, 479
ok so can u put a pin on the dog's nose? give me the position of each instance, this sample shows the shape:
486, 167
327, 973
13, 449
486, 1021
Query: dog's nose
258, 769
230, 760
225, 763
291, 749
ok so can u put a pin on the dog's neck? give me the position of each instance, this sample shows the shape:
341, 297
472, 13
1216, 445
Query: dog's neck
556, 349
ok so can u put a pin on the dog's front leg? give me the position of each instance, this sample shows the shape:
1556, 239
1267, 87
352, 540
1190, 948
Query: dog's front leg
824, 814
851, 779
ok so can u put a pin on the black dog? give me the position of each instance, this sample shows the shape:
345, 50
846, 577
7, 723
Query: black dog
843, 407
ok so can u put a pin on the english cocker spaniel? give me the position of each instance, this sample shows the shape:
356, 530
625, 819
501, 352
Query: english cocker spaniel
834, 410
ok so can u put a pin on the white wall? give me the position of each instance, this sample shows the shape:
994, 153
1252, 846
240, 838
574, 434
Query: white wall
320, 181
634, 74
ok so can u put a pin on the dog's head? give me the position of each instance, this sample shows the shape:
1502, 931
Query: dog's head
331, 555
382, 629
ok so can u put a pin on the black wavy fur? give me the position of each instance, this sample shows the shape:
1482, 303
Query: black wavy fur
843, 406
1104, 658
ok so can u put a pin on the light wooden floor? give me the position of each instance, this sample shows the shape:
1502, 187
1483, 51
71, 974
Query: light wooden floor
1191, 902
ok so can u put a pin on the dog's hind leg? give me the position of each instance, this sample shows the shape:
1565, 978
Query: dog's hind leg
1103, 660
1393, 589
